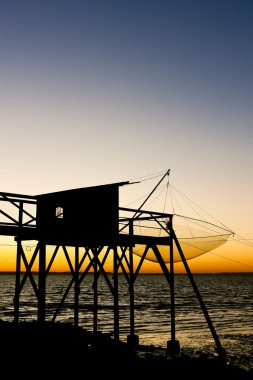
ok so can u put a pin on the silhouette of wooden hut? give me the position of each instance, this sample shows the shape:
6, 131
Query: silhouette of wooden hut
83, 216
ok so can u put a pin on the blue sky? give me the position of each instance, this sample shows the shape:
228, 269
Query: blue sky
95, 92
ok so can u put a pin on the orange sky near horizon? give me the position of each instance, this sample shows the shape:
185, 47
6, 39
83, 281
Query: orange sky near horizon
231, 257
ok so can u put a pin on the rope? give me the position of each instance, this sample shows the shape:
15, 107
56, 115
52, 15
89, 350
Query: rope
187, 198
145, 195
171, 200
244, 241
148, 177
9, 245
206, 223
165, 198
235, 261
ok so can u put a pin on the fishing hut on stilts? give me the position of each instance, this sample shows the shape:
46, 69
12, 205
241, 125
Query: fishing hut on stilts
68, 220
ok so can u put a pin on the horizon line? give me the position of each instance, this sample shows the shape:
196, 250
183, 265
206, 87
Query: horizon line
121, 273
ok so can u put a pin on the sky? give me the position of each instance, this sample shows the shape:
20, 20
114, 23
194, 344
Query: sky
96, 92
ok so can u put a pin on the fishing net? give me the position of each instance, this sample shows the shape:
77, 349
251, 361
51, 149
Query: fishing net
196, 237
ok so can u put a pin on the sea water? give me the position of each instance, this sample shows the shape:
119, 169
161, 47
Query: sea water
228, 299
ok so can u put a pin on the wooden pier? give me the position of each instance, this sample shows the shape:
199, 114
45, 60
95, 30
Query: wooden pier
91, 221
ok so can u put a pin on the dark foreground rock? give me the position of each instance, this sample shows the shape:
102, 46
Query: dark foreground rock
62, 351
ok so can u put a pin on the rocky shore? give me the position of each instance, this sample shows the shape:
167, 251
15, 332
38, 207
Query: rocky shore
60, 350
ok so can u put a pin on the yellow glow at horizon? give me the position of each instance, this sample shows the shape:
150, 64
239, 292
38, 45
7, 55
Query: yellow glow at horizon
231, 257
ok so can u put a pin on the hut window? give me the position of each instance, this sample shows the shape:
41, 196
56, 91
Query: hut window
59, 212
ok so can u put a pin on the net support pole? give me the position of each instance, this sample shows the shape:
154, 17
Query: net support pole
77, 287
220, 350
95, 293
172, 293
42, 283
132, 339
18, 266
173, 346
17, 283
116, 294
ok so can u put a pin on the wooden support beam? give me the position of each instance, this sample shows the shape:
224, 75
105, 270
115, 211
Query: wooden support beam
42, 283
221, 351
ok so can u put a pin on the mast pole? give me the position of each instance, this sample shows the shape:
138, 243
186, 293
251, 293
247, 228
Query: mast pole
154, 189
143, 203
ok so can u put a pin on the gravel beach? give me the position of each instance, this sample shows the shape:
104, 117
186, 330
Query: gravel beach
60, 350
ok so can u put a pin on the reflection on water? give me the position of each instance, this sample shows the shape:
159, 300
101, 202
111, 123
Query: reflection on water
228, 298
